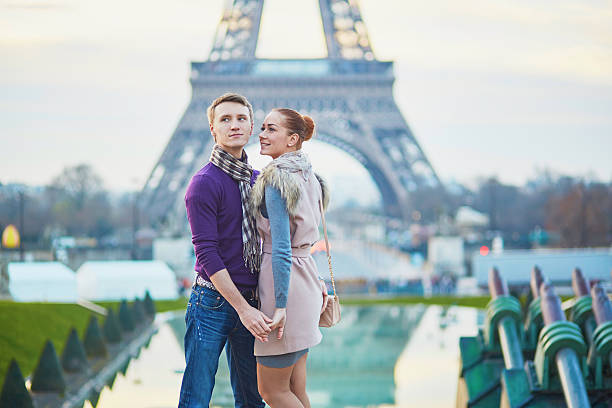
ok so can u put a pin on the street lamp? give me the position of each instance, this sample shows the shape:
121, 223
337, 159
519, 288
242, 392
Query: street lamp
135, 217
21, 222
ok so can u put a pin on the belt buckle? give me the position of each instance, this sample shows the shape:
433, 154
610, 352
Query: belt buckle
203, 283
248, 294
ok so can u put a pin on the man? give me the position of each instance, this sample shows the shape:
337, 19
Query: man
222, 310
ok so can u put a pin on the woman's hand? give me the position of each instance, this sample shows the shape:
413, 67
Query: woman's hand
278, 321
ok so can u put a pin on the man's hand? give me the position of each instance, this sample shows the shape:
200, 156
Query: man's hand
278, 321
256, 322
325, 295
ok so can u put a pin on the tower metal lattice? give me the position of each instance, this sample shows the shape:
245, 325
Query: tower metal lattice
349, 94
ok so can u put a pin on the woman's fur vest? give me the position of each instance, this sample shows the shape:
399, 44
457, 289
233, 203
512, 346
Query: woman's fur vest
287, 183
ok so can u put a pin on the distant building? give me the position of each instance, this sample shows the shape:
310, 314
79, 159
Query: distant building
556, 264
471, 224
178, 254
445, 255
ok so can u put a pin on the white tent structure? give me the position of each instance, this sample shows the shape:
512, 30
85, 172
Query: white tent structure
467, 217
42, 282
115, 280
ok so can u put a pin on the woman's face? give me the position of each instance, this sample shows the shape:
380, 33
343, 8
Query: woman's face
274, 138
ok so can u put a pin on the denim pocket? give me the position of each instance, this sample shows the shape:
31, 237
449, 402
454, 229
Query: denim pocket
211, 300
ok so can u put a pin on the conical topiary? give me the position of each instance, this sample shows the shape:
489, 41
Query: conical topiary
94, 342
94, 397
112, 330
149, 305
126, 320
14, 392
74, 359
125, 366
111, 380
138, 312
48, 375
146, 345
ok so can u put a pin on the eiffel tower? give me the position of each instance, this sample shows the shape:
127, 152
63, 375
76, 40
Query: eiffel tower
349, 95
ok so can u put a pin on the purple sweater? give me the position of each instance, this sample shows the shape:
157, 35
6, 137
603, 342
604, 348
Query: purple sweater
214, 212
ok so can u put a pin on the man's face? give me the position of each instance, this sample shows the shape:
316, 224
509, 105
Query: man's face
231, 127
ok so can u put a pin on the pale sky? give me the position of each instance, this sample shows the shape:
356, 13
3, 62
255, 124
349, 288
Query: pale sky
489, 88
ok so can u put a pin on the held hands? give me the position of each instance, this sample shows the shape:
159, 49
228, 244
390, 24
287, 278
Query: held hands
257, 323
261, 325
278, 321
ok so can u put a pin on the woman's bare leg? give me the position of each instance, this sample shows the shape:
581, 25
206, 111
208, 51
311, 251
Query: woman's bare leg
297, 383
274, 387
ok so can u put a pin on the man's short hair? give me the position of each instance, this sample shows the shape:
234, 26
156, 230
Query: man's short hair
228, 97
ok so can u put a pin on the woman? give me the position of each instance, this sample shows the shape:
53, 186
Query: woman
286, 200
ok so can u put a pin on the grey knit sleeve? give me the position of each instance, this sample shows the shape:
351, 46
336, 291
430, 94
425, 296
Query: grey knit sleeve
281, 244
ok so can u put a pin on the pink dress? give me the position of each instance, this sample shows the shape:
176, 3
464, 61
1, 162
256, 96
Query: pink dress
304, 300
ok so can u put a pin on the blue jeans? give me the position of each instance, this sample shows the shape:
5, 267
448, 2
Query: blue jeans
212, 323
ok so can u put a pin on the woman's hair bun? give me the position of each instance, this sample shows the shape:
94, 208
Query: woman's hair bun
310, 125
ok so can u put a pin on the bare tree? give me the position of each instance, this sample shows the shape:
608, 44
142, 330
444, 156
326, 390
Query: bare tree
79, 203
79, 182
582, 215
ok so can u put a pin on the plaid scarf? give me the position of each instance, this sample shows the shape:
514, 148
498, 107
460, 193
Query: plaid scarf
294, 162
242, 172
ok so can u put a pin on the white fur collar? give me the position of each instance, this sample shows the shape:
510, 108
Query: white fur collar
288, 186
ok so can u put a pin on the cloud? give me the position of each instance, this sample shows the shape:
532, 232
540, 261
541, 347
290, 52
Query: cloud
467, 73
34, 6
570, 40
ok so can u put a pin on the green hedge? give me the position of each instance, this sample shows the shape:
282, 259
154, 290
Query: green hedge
472, 301
24, 328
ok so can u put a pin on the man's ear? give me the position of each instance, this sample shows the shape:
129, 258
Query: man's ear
212, 132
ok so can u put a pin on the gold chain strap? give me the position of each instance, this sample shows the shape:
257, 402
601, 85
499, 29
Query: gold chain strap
331, 272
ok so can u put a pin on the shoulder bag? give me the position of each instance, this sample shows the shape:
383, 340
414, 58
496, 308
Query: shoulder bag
331, 314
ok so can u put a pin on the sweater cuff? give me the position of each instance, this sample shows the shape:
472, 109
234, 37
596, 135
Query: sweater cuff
281, 302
